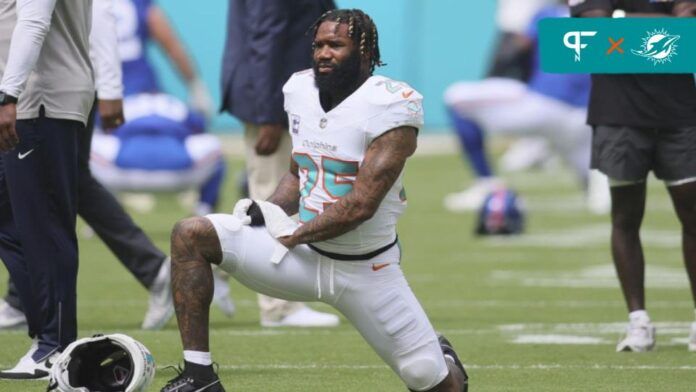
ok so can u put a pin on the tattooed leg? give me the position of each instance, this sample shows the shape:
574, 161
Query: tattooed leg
194, 246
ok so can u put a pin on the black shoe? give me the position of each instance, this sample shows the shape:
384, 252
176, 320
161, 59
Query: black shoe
194, 378
448, 350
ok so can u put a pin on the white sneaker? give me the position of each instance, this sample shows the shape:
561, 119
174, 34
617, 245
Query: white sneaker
161, 305
524, 154
472, 198
10, 317
28, 369
640, 337
692, 338
304, 317
221, 292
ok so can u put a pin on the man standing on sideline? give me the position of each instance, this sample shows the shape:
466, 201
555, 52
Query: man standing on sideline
641, 123
46, 93
267, 41
97, 206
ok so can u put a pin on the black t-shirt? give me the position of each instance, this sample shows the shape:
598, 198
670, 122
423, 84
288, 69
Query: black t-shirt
640, 100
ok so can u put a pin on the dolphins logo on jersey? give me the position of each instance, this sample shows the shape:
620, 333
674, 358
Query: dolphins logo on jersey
659, 47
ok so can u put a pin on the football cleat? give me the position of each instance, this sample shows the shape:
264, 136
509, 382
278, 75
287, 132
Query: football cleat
640, 337
186, 381
451, 355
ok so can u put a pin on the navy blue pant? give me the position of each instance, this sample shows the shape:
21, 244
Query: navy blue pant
38, 209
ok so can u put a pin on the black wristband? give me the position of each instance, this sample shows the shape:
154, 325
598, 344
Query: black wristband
7, 99
256, 215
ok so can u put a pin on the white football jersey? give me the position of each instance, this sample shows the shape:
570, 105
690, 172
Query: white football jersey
329, 149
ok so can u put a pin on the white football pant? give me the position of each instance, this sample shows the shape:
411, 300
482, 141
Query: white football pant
372, 294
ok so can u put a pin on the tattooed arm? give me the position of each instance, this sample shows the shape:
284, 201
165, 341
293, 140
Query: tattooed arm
287, 194
383, 163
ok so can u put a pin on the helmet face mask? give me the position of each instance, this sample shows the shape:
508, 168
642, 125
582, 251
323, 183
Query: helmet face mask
101, 365
107, 363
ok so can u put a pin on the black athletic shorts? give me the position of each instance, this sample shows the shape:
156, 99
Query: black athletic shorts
629, 153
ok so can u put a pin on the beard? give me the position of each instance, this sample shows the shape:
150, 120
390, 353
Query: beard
343, 76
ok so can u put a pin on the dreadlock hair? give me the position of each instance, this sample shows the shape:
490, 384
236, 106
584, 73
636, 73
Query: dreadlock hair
361, 29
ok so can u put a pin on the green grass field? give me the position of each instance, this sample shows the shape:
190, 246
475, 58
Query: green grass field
505, 303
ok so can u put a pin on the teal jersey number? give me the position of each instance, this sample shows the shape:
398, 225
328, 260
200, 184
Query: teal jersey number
306, 164
332, 172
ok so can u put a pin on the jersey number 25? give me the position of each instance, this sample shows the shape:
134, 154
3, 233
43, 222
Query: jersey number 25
334, 176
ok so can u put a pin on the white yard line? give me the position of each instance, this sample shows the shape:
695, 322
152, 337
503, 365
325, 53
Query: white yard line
663, 328
596, 276
558, 339
599, 304
538, 366
584, 236
672, 333
441, 303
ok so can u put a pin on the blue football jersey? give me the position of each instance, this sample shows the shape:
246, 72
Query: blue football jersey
573, 89
133, 36
154, 135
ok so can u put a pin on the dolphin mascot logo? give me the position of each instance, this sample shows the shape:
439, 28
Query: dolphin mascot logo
658, 47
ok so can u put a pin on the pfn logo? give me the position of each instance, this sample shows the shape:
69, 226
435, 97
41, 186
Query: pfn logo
573, 40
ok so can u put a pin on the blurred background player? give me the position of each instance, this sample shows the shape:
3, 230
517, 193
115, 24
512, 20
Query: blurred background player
185, 156
266, 43
138, 23
641, 123
513, 58
352, 133
161, 148
551, 106
46, 93
97, 206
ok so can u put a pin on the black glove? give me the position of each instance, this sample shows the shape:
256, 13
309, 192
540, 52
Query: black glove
256, 216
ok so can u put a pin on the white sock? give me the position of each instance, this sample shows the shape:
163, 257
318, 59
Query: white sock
639, 316
198, 357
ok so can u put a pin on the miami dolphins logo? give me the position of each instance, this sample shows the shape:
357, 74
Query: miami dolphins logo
659, 47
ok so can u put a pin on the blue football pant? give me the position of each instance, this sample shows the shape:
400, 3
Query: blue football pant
38, 208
